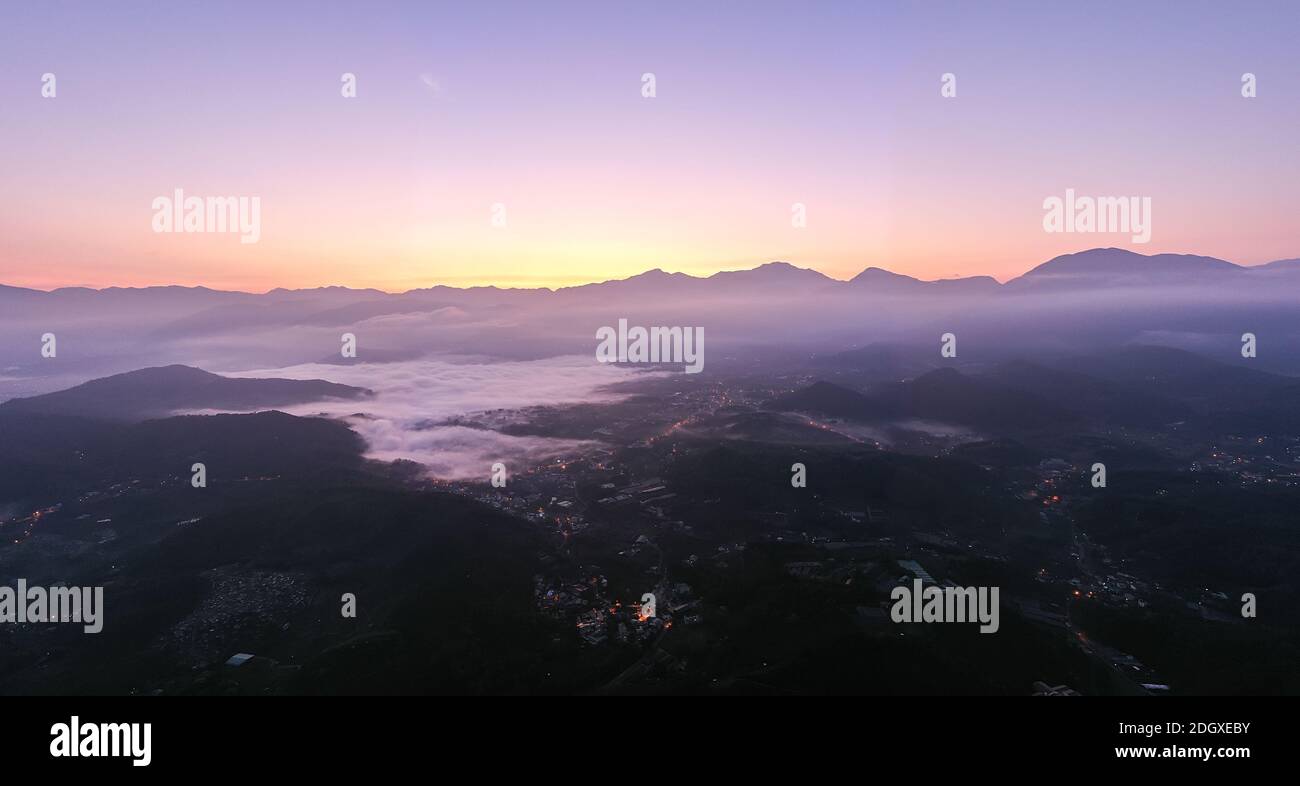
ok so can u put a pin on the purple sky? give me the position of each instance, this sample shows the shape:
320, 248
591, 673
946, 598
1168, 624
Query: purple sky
538, 107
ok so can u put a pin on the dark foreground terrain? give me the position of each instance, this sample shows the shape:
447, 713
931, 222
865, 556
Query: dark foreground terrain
970, 476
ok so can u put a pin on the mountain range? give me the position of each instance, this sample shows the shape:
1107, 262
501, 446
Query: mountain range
1073, 304
1093, 268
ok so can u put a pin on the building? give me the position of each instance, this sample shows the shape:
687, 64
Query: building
1043, 689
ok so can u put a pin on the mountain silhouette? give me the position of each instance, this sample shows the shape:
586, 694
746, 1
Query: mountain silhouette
161, 391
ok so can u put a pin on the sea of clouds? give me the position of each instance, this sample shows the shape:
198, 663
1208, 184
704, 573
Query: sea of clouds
405, 419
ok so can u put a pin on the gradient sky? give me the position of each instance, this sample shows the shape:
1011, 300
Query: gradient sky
538, 106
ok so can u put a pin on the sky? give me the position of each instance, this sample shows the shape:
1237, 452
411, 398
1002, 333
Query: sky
535, 112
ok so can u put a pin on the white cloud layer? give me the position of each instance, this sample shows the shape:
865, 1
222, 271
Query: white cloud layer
414, 395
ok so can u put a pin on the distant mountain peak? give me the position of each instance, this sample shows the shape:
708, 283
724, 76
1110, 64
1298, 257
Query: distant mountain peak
1120, 260
779, 266
1112, 267
774, 271
886, 281
874, 273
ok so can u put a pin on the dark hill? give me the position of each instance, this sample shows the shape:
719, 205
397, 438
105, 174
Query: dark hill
943, 395
158, 392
